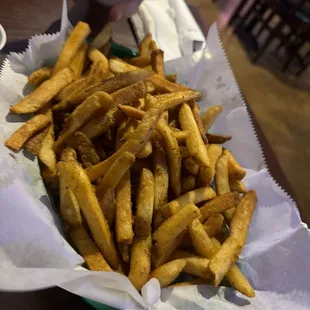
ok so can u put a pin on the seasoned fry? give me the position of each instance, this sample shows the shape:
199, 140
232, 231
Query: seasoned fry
88, 249
145, 45
33, 145
39, 76
140, 61
181, 135
213, 224
194, 141
221, 175
210, 116
196, 112
217, 138
68, 154
195, 196
140, 264
77, 64
26, 131
81, 187
238, 186
124, 220
70, 89
166, 234
191, 166
108, 205
157, 61
44, 93
188, 183
229, 252
235, 171
146, 150
168, 272
72, 45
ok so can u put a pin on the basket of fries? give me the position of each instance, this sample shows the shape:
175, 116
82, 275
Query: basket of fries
149, 193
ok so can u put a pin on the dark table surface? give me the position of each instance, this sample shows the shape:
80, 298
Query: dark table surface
20, 25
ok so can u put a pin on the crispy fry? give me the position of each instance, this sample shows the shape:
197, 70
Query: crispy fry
188, 183
165, 236
72, 45
157, 61
191, 166
108, 205
235, 171
196, 112
78, 61
140, 264
88, 249
235, 277
195, 281
221, 174
194, 141
140, 61
171, 78
124, 220
83, 191
210, 116
26, 131
206, 174
145, 45
213, 224
238, 186
195, 196
39, 76
217, 138
181, 135
228, 254
33, 145
168, 272
70, 89
68, 154
44, 93
86, 149
176, 98
229, 214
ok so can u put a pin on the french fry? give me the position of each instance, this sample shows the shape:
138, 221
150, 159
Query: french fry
184, 152
238, 186
124, 250
157, 62
229, 214
140, 61
174, 99
140, 264
217, 138
81, 187
210, 116
153, 46
196, 112
88, 249
191, 166
44, 93
213, 224
68, 154
124, 220
146, 150
145, 45
221, 175
26, 131
181, 135
188, 183
78, 61
108, 205
168, 272
235, 171
194, 141
39, 76
195, 196
230, 250
70, 89
165, 236
33, 145
171, 78
72, 45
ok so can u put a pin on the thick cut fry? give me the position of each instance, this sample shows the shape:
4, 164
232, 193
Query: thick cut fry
213, 224
188, 183
77, 64
133, 145
108, 205
176, 98
146, 150
145, 204
44, 93
196, 112
83, 113
115, 173
230, 250
70, 89
33, 145
238, 186
168, 272
191, 166
221, 174
181, 135
96, 56
229, 214
217, 138
207, 173
68, 154
26, 131
145, 45
157, 61
235, 171
140, 61
86, 149
194, 141
124, 220
88, 249
235, 277
81, 187
166, 234
140, 264
72, 45
210, 116
39, 76
153, 46
219, 204
195, 196
201, 241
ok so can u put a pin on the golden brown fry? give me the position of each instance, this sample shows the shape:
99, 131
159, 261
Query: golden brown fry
184, 152
165, 236
115, 173
168, 272
145, 45
124, 220
33, 145
188, 183
153, 46
72, 45
132, 112
221, 174
78, 61
39, 76
26, 131
238, 186
195, 196
191, 166
171, 78
96, 57
229, 214
229, 252
210, 116
124, 250
207, 173
81, 187
88, 249
213, 224
217, 138
196, 112
219, 204
194, 141
176, 98
157, 61
70, 89
44, 93
235, 170
140, 61
144, 204
86, 149
235, 277
181, 135
140, 264
108, 205
68, 154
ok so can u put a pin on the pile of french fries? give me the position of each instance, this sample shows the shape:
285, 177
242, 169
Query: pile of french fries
145, 189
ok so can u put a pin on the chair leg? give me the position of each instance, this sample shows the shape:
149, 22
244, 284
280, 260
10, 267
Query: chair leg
237, 11
246, 15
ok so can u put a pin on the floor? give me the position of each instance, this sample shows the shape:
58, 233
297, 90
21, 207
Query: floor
280, 103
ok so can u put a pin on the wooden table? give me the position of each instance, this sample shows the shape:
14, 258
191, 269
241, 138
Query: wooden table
20, 25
